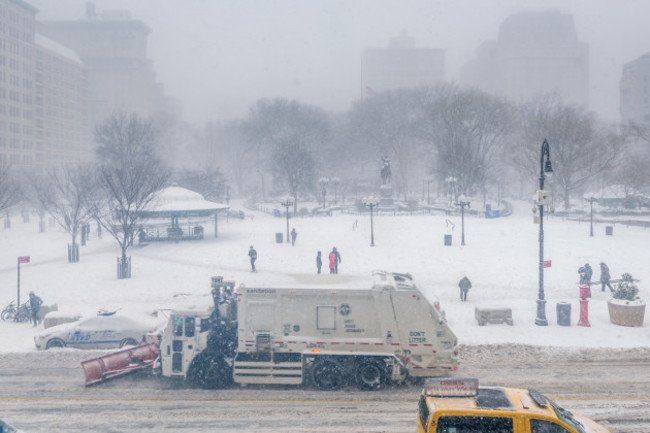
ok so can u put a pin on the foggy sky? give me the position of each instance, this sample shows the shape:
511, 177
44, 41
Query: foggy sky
219, 56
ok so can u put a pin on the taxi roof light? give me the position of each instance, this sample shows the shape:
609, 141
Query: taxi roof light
451, 387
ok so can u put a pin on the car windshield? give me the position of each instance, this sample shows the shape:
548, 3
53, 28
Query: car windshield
566, 416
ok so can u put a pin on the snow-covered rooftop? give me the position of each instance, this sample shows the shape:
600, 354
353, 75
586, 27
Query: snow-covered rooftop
57, 48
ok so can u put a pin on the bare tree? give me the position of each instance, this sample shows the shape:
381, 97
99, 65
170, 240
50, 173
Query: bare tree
293, 167
382, 125
130, 175
66, 193
10, 191
288, 136
209, 181
465, 129
581, 147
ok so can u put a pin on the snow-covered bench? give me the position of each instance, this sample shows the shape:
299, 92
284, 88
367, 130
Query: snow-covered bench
493, 315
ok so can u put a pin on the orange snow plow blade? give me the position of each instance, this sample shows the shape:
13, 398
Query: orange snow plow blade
120, 363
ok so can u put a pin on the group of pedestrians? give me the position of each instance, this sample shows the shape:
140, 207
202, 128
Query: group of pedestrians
334, 260
586, 273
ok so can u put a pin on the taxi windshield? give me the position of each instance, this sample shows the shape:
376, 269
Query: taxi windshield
566, 416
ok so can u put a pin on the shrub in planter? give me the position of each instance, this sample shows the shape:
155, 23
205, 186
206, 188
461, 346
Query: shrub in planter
625, 306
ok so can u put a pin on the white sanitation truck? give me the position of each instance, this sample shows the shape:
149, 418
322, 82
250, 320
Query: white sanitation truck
322, 336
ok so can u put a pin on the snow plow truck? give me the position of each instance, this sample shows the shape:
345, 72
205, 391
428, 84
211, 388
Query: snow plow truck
321, 336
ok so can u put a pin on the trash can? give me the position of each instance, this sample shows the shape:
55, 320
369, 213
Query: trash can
564, 314
278, 238
447, 240
609, 230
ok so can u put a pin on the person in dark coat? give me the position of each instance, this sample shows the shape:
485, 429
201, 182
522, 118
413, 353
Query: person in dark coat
294, 234
335, 259
253, 256
605, 277
465, 284
588, 273
35, 304
319, 261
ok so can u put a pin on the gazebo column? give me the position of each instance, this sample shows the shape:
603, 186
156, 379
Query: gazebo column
216, 233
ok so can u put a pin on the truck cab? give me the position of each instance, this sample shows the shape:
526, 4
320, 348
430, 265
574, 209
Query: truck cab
456, 405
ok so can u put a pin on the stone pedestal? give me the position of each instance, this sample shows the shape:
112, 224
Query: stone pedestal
386, 196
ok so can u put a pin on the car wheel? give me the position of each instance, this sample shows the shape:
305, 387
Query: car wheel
128, 342
371, 374
327, 374
55, 342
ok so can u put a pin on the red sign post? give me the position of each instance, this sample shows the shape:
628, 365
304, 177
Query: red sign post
21, 259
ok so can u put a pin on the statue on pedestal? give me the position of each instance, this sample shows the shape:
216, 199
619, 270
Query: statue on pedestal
385, 170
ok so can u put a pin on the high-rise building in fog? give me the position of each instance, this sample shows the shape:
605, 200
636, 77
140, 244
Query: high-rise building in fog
635, 90
534, 53
113, 47
17, 24
401, 65
42, 91
60, 115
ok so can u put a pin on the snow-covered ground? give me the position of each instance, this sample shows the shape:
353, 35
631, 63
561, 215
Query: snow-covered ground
500, 257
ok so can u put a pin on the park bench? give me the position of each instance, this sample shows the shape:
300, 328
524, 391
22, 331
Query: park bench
493, 315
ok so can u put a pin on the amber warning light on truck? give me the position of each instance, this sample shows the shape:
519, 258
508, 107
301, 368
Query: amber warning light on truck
451, 387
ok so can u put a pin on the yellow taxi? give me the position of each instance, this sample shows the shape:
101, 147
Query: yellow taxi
454, 405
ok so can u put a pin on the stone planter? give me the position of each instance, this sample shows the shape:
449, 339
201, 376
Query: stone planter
626, 313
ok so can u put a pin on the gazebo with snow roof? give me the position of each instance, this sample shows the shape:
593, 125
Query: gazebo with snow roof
176, 203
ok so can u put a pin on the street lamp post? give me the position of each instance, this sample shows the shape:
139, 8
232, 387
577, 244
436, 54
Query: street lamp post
371, 202
288, 202
428, 180
335, 182
462, 202
323, 181
543, 198
591, 201
451, 186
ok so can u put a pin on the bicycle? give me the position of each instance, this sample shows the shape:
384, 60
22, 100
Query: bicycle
22, 314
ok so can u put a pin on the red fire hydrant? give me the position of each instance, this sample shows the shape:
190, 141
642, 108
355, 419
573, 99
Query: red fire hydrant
584, 306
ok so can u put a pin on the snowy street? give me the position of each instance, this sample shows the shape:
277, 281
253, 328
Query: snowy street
41, 390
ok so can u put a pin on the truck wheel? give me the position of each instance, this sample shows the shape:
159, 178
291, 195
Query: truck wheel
371, 374
209, 371
55, 342
327, 374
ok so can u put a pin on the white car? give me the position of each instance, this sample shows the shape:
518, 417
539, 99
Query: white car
103, 331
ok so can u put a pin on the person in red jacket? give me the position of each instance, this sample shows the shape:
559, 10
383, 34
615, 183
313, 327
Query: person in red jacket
335, 259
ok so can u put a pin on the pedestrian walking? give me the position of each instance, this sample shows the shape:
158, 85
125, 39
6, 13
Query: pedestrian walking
319, 261
465, 284
253, 256
335, 259
294, 235
35, 304
605, 277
